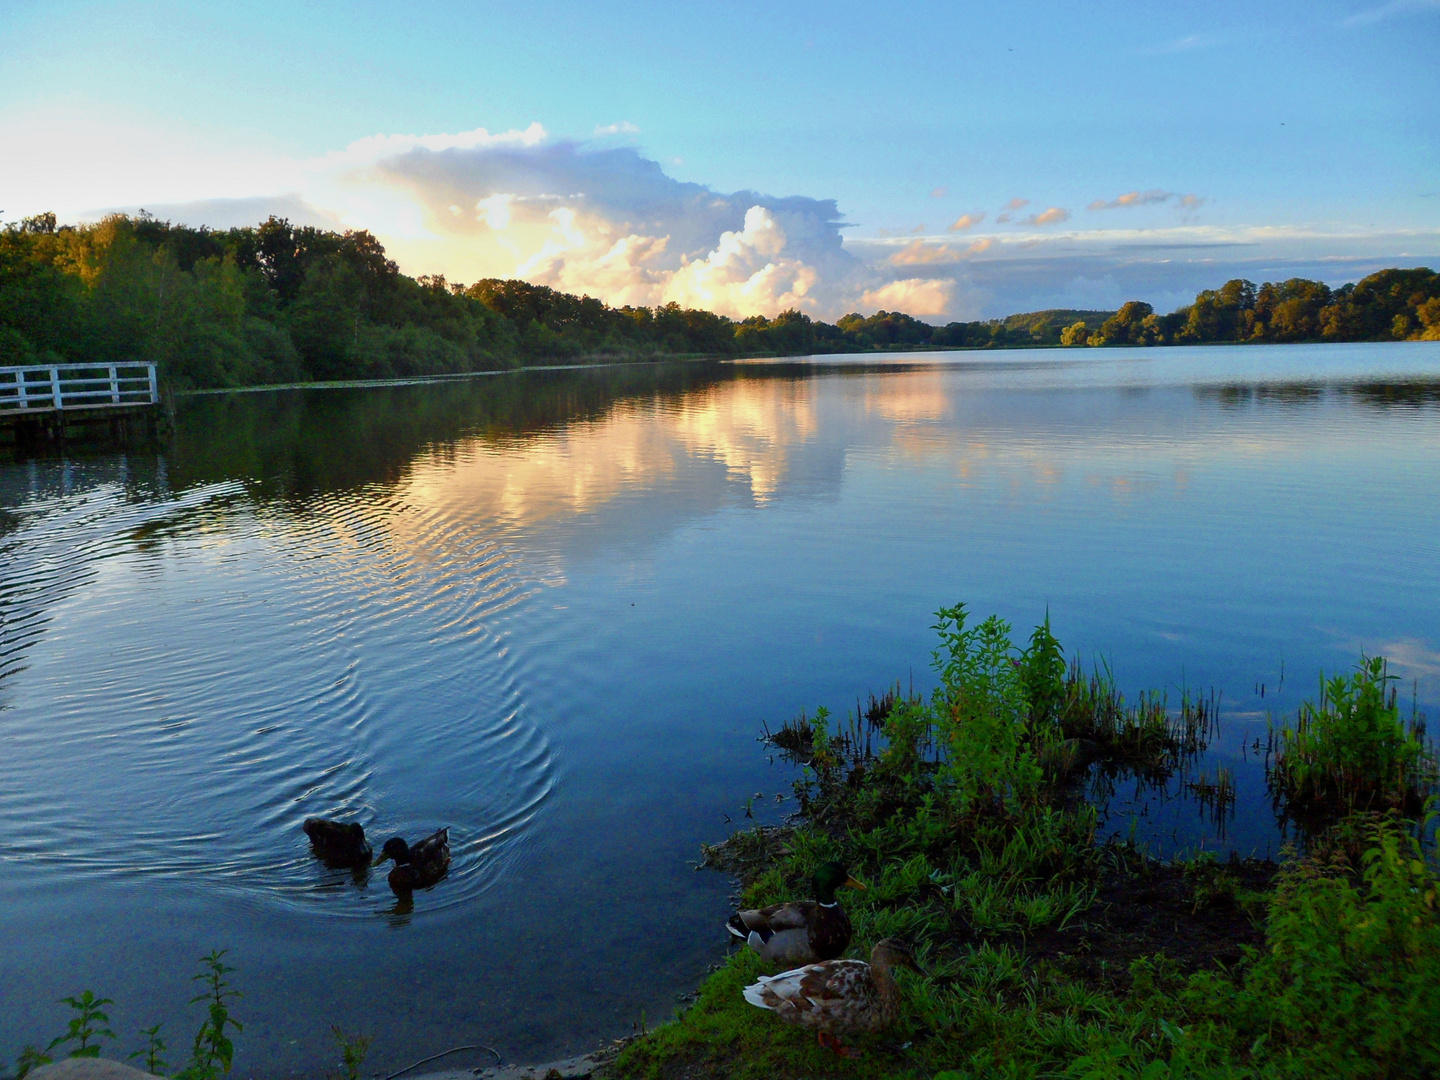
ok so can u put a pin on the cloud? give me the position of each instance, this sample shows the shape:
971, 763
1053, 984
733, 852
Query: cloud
624, 127
939, 192
914, 296
1133, 198
604, 221
1005, 218
1188, 43
1102, 268
1052, 216
920, 253
1390, 11
967, 221
599, 218
1017, 203
374, 147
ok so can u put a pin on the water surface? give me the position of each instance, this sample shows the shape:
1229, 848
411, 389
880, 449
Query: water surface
551, 610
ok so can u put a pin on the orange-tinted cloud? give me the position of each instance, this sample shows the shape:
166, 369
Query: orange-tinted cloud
1133, 198
920, 253
967, 221
1053, 216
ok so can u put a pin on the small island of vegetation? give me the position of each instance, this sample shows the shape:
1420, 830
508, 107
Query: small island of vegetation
1049, 953
278, 303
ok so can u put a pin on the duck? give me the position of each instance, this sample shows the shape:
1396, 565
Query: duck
416, 867
338, 843
838, 997
801, 932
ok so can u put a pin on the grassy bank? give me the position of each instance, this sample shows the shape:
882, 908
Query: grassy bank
1046, 954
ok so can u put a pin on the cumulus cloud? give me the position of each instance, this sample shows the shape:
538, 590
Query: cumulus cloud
624, 127
967, 221
920, 253
979, 246
599, 220
1053, 216
914, 296
1133, 198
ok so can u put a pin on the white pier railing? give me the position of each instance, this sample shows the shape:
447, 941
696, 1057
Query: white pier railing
41, 388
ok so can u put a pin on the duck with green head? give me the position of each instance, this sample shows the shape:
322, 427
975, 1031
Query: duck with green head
801, 932
417, 866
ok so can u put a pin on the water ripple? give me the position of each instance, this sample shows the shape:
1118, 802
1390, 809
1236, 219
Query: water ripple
260, 665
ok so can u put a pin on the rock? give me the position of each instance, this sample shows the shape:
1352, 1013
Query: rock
88, 1069
576, 1068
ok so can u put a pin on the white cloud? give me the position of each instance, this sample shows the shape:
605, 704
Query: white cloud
914, 296
602, 221
1389, 11
375, 147
1188, 43
624, 127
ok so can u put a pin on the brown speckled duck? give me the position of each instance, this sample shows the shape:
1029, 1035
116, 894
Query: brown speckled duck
838, 997
804, 931
416, 867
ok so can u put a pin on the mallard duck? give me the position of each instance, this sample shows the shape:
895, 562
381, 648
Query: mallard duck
800, 932
338, 843
838, 996
416, 867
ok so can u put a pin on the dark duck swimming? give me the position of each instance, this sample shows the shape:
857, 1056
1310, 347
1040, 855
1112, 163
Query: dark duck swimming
338, 843
418, 866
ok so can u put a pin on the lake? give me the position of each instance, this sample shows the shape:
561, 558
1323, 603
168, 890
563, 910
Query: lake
552, 610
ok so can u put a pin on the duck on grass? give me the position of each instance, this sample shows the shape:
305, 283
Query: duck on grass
804, 931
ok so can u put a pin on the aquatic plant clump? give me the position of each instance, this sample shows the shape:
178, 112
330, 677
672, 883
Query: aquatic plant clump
1352, 751
1045, 954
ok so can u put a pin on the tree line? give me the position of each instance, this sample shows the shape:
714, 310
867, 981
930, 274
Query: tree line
279, 303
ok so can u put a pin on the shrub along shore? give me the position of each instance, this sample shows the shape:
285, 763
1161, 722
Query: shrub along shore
1046, 953
277, 303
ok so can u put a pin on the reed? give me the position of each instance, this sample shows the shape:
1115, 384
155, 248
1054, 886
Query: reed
1350, 750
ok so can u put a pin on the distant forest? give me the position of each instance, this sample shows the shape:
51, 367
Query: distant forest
278, 303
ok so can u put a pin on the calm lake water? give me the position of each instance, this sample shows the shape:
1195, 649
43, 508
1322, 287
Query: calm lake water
552, 610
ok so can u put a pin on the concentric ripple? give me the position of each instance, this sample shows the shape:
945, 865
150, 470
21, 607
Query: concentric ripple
203, 671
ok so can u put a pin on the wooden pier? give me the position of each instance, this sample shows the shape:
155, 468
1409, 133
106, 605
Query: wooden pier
52, 403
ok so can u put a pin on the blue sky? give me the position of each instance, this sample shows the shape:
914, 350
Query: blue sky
1306, 137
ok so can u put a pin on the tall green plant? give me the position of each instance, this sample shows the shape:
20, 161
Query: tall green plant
213, 1052
1352, 751
87, 1027
983, 709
